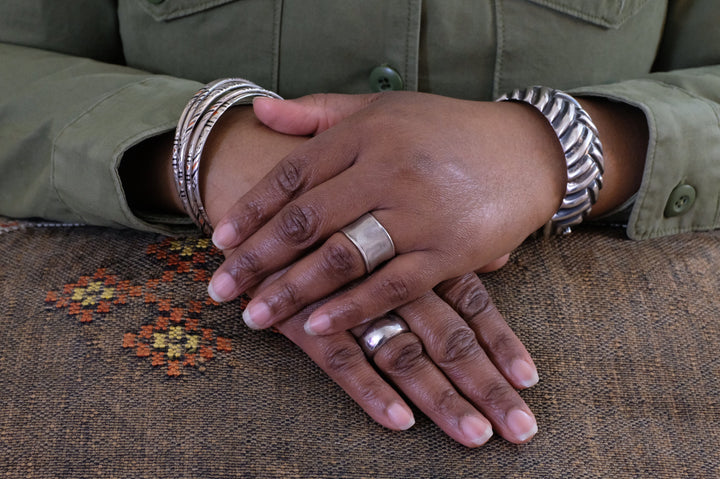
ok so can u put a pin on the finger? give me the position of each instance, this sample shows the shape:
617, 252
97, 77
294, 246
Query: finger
453, 347
494, 265
311, 114
403, 361
296, 228
312, 278
342, 359
337, 262
310, 164
401, 280
470, 299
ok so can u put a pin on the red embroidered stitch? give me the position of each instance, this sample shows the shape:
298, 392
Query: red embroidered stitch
142, 351
175, 338
223, 344
158, 358
173, 368
128, 340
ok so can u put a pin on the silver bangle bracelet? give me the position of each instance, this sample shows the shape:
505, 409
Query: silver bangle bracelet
581, 146
196, 122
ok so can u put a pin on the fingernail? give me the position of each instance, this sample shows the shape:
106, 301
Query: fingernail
524, 373
221, 287
224, 236
261, 99
522, 425
476, 430
400, 416
256, 315
317, 325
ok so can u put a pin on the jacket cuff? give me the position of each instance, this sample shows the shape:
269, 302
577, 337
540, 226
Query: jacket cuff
683, 149
139, 111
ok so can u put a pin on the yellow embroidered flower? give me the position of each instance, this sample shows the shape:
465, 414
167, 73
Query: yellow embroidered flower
192, 343
175, 332
160, 341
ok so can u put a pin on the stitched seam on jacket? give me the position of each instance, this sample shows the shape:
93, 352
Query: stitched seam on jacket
499, 48
277, 32
603, 20
164, 14
408, 7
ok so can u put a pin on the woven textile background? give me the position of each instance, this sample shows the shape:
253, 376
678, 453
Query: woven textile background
113, 363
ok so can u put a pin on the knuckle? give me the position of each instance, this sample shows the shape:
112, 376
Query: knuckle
396, 289
299, 224
445, 402
458, 346
319, 100
495, 395
341, 357
287, 296
291, 178
254, 211
501, 341
368, 391
405, 360
246, 263
469, 296
340, 260
422, 164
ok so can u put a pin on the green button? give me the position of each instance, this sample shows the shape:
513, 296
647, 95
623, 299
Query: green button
681, 200
385, 78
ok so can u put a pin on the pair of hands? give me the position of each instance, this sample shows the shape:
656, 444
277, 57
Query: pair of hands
457, 184
461, 363
452, 181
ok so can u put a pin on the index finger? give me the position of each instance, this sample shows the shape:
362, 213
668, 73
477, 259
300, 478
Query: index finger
310, 164
340, 356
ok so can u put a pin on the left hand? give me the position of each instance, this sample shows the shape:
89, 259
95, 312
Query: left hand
461, 371
457, 184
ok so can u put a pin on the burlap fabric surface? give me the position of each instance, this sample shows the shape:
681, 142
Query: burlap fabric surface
114, 364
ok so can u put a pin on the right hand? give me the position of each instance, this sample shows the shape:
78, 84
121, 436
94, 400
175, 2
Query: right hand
446, 178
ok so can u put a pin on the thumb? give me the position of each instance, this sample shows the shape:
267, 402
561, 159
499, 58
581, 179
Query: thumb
494, 265
311, 114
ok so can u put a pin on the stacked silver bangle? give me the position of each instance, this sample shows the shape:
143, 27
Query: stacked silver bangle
581, 146
196, 122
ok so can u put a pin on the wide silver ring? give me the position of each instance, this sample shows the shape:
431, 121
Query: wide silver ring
380, 332
371, 239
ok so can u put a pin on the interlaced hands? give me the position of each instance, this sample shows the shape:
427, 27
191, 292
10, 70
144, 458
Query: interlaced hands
459, 363
448, 179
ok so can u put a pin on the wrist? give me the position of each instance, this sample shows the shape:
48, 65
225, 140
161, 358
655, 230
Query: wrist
147, 179
239, 152
583, 152
544, 171
624, 133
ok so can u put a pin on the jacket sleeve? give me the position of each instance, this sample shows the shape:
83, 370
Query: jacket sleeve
682, 108
65, 123
681, 102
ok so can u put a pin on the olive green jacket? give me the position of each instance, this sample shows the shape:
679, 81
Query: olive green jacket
82, 81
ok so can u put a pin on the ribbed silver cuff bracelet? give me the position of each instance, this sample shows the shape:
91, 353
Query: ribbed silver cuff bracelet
200, 115
581, 146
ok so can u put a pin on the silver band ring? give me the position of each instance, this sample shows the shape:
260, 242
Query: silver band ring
380, 332
371, 239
